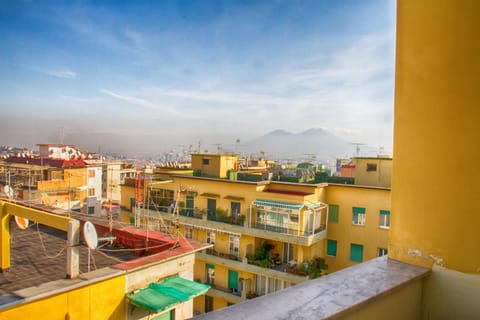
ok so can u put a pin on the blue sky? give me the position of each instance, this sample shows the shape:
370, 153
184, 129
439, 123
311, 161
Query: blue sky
190, 70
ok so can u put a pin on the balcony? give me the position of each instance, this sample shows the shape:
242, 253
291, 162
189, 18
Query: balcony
277, 272
225, 293
255, 230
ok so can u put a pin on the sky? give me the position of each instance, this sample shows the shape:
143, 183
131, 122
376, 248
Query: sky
191, 70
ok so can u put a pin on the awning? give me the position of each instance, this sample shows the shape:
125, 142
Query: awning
315, 205
235, 198
278, 204
167, 294
210, 195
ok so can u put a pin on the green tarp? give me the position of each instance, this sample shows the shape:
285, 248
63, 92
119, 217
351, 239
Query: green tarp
170, 292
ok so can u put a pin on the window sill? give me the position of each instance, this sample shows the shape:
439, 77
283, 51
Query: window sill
358, 225
384, 228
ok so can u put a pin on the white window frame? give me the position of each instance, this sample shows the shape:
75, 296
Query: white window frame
234, 245
211, 237
382, 252
360, 219
189, 233
384, 221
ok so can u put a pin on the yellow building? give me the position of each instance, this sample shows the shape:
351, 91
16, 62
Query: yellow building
287, 222
373, 171
434, 254
213, 165
358, 224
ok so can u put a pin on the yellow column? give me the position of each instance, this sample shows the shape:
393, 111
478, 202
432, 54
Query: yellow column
4, 238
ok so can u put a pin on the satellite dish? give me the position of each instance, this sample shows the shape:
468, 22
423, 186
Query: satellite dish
22, 223
90, 235
8, 191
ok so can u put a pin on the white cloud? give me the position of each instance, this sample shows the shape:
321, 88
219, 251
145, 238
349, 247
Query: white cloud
63, 74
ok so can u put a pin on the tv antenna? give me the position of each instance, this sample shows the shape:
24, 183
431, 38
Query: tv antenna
357, 147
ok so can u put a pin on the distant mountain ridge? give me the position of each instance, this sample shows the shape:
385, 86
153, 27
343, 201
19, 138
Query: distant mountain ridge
314, 141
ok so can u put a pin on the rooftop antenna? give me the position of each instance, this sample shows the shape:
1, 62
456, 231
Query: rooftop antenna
357, 147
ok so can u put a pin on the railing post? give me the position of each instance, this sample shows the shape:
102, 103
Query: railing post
73, 259
4, 238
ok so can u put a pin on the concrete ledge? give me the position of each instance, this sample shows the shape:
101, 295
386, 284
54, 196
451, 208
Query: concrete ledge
331, 296
58, 286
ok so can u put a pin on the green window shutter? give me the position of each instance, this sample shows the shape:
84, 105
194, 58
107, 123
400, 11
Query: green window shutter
385, 212
356, 252
232, 279
332, 248
210, 266
357, 210
333, 213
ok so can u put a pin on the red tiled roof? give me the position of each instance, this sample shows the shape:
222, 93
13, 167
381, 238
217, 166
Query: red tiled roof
58, 163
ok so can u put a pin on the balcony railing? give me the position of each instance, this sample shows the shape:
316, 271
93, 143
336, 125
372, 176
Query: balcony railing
235, 220
228, 256
285, 230
191, 213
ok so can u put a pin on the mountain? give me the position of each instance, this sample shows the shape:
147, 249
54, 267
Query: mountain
281, 144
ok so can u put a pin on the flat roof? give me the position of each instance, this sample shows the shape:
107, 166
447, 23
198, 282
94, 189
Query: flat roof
39, 258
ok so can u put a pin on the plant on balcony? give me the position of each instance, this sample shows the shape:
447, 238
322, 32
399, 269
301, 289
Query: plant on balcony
261, 257
313, 268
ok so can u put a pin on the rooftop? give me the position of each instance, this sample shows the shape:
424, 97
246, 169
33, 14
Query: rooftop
39, 259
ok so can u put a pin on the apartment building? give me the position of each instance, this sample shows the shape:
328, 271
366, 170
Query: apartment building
266, 235
432, 271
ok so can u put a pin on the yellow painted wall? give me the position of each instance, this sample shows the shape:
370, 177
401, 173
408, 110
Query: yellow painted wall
128, 192
403, 303
371, 236
435, 206
435, 194
381, 177
218, 164
90, 302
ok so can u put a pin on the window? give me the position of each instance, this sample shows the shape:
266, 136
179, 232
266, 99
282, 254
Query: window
332, 248
371, 167
188, 233
210, 237
358, 216
210, 276
208, 303
333, 213
211, 206
274, 285
260, 283
235, 208
91, 192
356, 252
91, 210
234, 245
382, 252
205, 161
384, 219
91, 173
190, 204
